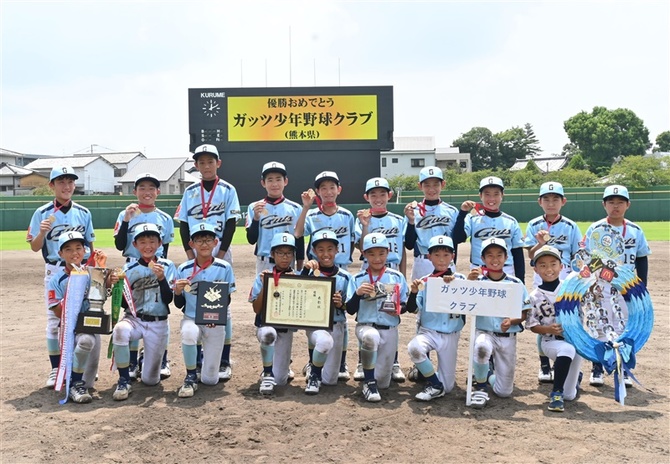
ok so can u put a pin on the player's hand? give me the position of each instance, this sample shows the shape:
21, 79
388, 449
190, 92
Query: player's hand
179, 286
114, 278
409, 212
505, 324
414, 286
541, 237
131, 210
265, 271
467, 205
311, 264
475, 273
159, 271
100, 258
259, 208
365, 289
448, 278
307, 198
210, 326
337, 299
556, 329
45, 226
364, 216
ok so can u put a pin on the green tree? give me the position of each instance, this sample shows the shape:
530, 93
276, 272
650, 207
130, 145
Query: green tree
662, 142
532, 143
42, 190
512, 145
603, 136
577, 162
529, 177
641, 171
482, 146
571, 177
405, 182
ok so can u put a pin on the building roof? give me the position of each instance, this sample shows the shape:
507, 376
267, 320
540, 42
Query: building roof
414, 144
162, 168
10, 170
121, 157
72, 161
544, 163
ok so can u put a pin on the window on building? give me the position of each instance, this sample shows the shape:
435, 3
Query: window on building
119, 172
418, 162
464, 164
383, 162
171, 189
394, 160
130, 189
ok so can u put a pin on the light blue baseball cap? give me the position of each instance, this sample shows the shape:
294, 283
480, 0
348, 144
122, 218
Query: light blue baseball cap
551, 187
59, 171
616, 191
430, 172
440, 241
377, 182
68, 237
325, 234
491, 182
375, 240
283, 239
493, 241
146, 229
203, 227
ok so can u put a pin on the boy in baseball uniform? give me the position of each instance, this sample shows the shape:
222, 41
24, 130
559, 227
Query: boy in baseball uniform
212, 201
379, 296
275, 343
147, 189
495, 336
47, 224
326, 346
554, 229
616, 201
204, 268
542, 321
72, 248
437, 332
149, 280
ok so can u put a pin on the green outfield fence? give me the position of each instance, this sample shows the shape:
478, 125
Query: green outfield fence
584, 204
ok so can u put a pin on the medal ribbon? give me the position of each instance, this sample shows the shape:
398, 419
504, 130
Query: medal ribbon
58, 208
549, 223
274, 201
320, 204
205, 206
195, 266
378, 211
422, 207
624, 226
378, 277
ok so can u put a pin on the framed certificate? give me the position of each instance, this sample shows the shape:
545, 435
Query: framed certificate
211, 305
298, 302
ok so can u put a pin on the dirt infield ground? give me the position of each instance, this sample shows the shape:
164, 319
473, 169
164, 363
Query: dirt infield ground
233, 423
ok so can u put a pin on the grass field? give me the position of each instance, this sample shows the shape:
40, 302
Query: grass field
16, 240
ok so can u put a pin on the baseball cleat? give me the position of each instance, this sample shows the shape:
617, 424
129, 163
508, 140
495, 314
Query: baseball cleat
198, 372
51, 381
313, 385
306, 370
430, 392
556, 403
189, 387
267, 385
165, 370
225, 373
596, 379
370, 392
133, 371
358, 373
397, 374
122, 391
79, 393
545, 375
344, 373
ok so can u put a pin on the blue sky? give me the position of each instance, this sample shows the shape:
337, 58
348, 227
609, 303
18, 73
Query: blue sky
116, 74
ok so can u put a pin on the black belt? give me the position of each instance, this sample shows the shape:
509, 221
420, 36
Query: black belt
504, 334
145, 318
379, 327
558, 337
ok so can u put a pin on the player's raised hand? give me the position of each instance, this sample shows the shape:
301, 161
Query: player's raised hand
159, 271
409, 211
475, 273
448, 278
45, 226
311, 264
364, 215
415, 285
467, 205
179, 285
259, 209
542, 237
132, 210
365, 289
307, 198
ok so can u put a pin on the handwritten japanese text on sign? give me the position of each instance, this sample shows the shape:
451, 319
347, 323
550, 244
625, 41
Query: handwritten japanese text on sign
474, 297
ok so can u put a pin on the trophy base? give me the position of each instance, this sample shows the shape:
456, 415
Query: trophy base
94, 322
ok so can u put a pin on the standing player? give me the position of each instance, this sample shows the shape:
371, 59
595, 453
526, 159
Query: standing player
213, 201
437, 331
275, 214
204, 268
556, 230
378, 219
147, 189
48, 223
379, 295
495, 336
329, 216
616, 202
150, 279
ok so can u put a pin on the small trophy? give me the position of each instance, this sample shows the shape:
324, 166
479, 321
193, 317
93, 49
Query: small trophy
95, 320
389, 306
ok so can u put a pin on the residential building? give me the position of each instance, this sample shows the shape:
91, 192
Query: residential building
96, 174
171, 172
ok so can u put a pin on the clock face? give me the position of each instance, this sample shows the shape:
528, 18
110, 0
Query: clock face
211, 108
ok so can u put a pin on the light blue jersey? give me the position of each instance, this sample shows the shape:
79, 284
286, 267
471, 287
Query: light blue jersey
437, 220
77, 219
161, 219
479, 228
224, 205
391, 225
218, 271
440, 322
635, 242
342, 223
281, 217
492, 324
369, 311
565, 236
145, 288
342, 279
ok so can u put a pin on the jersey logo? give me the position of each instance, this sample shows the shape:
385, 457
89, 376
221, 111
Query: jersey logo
214, 210
390, 232
428, 222
489, 232
58, 230
272, 222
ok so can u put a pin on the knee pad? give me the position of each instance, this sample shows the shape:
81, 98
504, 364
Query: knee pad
85, 342
121, 334
324, 342
189, 334
266, 335
415, 351
370, 340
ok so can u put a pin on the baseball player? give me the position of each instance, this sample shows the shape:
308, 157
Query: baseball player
275, 343
326, 346
329, 216
490, 222
379, 296
437, 332
48, 223
427, 219
147, 189
204, 268
556, 230
377, 219
542, 321
272, 215
616, 202
495, 336
72, 248
213, 201
146, 317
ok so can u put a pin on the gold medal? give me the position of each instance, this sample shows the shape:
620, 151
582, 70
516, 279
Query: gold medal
546, 237
265, 211
51, 219
151, 265
413, 204
136, 212
311, 194
421, 286
316, 273
366, 213
187, 288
